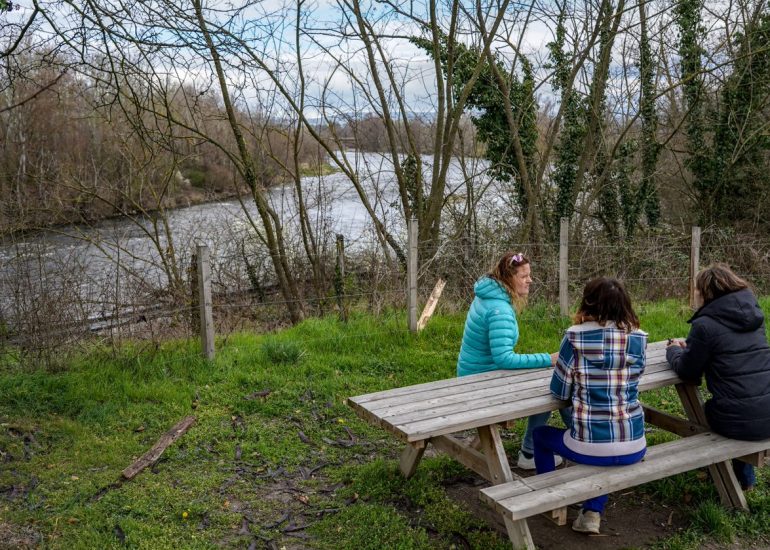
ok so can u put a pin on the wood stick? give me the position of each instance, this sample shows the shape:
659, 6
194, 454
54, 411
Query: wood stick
151, 457
430, 306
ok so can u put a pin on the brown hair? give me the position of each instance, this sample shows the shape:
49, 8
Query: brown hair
605, 299
504, 272
717, 280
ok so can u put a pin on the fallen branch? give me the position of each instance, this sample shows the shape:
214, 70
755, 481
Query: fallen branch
151, 457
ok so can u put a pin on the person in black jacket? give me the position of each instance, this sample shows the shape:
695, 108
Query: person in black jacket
727, 344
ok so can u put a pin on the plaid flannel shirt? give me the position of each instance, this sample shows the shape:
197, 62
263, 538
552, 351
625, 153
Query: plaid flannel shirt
598, 370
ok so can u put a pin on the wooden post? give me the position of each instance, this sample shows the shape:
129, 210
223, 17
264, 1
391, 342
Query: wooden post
564, 266
411, 273
430, 305
204, 301
192, 272
339, 278
694, 262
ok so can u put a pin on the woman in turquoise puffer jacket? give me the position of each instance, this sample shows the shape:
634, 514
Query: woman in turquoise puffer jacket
492, 331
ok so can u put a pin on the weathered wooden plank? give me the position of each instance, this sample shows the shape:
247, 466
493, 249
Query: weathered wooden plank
436, 384
446, 406
722, 475
410, 459
454, 384
497, 461
670, 423
463, 453
579, 471
430, 305
417, 391
513, 388
460, 404
558, 516
425, 426
434, 423
518, 533
151, 457
478, 417
756, 459
468, 393
447, 413
500, 472
524, 498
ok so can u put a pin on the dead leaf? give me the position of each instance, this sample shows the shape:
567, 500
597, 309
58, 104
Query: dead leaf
262, 394
303, 499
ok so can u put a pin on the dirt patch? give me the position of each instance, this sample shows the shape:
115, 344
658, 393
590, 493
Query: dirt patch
631, 519
18, 536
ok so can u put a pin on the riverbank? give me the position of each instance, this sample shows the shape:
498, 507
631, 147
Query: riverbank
276, 459
186, 192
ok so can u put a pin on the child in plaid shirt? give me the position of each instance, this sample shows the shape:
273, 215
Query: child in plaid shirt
600, 362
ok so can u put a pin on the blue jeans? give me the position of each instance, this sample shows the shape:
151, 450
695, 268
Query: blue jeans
550, 440
745, 474
541, 419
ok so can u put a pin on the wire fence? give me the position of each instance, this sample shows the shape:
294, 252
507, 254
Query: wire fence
53, 302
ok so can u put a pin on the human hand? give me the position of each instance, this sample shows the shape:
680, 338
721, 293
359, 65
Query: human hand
676, 342
554, 358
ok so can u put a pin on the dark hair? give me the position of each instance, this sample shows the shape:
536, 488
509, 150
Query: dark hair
504, 271
605, 299
717, 280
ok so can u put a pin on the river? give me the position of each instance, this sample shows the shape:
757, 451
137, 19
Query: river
84, 260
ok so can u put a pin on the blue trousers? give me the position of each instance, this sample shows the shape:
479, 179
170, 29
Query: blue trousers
541, 419
745, 474
550, 440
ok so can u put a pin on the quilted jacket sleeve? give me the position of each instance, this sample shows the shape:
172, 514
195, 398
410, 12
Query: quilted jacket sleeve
503, 336
689, 362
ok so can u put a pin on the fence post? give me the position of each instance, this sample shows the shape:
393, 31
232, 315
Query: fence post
411, 273
694, 262
192, 275
339, 278
204, 301
564, 266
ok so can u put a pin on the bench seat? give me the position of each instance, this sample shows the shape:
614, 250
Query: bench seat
530, 496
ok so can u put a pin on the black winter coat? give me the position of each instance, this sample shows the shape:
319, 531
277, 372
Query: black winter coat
727, 344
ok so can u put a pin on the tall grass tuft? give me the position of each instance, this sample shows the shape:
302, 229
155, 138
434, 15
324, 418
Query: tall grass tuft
282, 352
714, 519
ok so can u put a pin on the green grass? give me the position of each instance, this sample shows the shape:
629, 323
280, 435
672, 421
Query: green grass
270, 456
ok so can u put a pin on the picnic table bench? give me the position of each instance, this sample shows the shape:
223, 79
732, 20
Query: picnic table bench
434, 411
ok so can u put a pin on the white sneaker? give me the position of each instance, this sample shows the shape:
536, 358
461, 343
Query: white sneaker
587, 522
529, 463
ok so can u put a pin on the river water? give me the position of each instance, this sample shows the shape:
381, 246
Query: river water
84, 260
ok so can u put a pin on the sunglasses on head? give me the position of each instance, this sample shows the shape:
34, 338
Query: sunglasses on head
516, 258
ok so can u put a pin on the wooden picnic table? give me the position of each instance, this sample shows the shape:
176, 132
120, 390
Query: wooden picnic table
434, 411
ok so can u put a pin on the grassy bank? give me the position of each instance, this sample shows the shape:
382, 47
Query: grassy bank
275, 458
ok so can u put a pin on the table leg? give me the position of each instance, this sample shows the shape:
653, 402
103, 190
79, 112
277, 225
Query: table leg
411, 457
500, 472
722, 474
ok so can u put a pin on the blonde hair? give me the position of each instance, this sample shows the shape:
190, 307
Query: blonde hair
504, 272
717, 280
